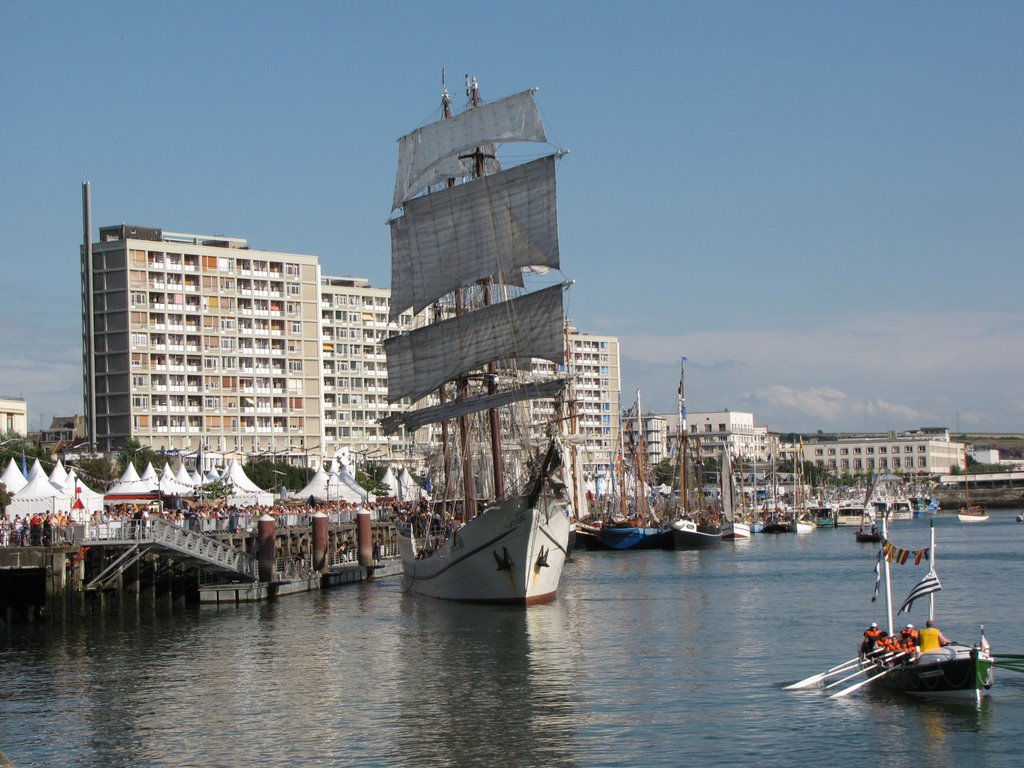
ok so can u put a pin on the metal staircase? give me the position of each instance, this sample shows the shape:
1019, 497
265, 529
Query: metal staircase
160, 537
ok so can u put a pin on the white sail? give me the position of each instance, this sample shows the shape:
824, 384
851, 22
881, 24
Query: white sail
422, 154
525, 327
493, 226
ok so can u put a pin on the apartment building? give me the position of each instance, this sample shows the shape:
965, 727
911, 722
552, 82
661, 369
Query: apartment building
593, 365
197, 341
13, 416
354, 324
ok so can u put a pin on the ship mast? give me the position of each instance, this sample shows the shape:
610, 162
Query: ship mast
682, 440
442, 392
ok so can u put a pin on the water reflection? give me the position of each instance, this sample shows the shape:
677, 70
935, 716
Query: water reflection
484, 686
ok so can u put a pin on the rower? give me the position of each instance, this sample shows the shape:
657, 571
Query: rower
931, 637
911, 637
871, 636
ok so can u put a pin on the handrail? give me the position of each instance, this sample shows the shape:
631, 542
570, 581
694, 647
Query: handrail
160, 532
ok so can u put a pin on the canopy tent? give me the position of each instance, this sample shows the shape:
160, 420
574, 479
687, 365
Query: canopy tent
327, 486
130, 488
344, 472
59, 474
38, 496
390, 482
35, 470
12, 477
244, 491
84, 500
407, 488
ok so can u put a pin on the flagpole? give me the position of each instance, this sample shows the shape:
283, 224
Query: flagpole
931, 567
888, 577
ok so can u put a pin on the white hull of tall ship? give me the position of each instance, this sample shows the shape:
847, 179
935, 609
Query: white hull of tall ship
511, 553
735, 531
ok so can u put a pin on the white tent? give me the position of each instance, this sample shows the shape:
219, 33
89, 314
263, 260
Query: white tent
38, 496
183, 477
407, 488
327, 486
348, 479
13, 478
35, 470
59, 474
91, 501
130, 487
245, 491
390, 482
149, 474
169, 485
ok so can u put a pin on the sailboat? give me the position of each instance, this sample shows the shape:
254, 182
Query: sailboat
733, 526
636, 525
692, 528
868, 532
464, 233
970, 513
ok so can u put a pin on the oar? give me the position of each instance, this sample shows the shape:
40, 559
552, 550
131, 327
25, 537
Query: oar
887, 657
861, 684
807, 682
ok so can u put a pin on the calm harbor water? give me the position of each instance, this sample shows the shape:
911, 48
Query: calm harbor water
647, 658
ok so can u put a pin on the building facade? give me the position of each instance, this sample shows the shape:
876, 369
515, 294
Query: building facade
198, 342
592, 362
354, 324
927, 451
13, 416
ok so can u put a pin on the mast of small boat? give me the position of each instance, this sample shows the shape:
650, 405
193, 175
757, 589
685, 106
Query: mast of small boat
572, 416
888, 579
931, 560
639, 458
621, 469
682, 439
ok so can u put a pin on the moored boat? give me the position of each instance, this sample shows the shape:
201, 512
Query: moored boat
973, 513
464, 230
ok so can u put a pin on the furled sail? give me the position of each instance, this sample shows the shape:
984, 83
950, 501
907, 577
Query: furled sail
514, 118
413, 420
521, 328
493, 226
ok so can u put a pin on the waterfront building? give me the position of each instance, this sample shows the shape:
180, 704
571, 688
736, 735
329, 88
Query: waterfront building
13, 416
593, 363
199, 342
716, 431
926, 451
354, 324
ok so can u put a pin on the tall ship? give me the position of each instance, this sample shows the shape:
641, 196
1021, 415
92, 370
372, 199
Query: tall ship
469, 241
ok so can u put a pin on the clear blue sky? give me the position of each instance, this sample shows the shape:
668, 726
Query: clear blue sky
820, 204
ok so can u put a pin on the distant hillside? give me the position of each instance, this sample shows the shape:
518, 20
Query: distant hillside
1009, 445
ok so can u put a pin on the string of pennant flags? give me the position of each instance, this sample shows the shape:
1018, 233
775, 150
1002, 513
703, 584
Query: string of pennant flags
900, 556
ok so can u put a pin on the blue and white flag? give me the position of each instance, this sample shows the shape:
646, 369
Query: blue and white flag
926, 586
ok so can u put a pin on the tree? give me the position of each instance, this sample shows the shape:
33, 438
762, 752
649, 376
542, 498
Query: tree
5, 497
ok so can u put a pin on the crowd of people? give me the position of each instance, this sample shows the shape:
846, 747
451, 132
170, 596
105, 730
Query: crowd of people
58, 528
909, 642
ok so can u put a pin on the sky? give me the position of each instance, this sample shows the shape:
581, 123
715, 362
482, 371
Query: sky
819, 204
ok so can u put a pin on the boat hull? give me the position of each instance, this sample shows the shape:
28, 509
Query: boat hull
954, 670
971, 518
511, 553
685, 534
630, 537
734, 531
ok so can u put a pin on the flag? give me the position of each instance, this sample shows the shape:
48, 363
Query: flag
926, 586
983, 643
878, 575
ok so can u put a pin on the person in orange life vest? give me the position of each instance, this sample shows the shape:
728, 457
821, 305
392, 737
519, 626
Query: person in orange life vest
931, 637
871, 636
911, 637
